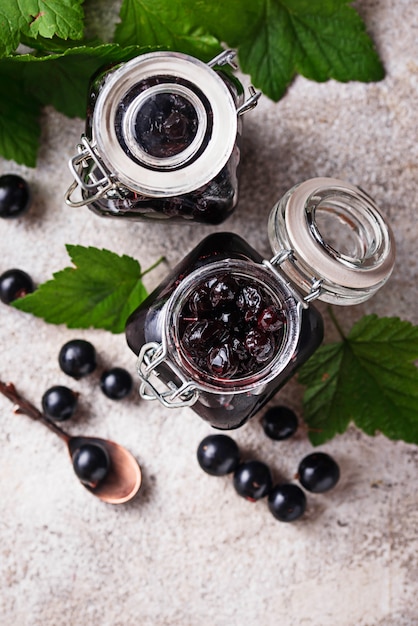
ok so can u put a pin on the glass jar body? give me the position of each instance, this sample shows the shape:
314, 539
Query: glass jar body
225, 407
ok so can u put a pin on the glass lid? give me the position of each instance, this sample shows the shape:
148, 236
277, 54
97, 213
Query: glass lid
329, 236
164, 123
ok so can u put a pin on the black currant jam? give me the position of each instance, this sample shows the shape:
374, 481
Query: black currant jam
162, 140
230, 326
226, 329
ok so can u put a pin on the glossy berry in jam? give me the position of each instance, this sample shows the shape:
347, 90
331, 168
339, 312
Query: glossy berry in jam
223, 292
59, 402
218, 455
15, 196
279, 423
230, 327
222, 361
270, 319
14, 284
287, 502
318, 472
91, 463
77, 358
252, 480
260, 345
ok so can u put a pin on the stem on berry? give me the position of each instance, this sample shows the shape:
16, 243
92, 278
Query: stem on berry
27, 408
336, 323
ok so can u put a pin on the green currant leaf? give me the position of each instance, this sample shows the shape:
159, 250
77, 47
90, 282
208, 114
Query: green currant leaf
321, 39
170, 25
99, 292
369, 378
46, 18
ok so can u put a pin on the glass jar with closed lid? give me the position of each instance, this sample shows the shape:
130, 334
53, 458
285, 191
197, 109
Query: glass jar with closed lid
162, 140
226, 329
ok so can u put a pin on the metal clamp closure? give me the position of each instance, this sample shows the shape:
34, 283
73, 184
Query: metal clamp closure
275, 266
150, 357
227, 58
94, 186
251, 101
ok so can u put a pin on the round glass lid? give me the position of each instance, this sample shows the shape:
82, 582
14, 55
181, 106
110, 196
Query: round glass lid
164, 124
335, 235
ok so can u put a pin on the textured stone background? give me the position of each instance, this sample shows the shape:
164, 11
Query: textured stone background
188, 551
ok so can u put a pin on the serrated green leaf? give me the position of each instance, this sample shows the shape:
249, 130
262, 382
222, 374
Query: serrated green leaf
320, 41
171, 25
99, 292
369, 378
46, 18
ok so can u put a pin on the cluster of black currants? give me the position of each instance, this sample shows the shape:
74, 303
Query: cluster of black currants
77, 358
318, 472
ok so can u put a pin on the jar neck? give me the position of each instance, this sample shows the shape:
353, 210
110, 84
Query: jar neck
276, 291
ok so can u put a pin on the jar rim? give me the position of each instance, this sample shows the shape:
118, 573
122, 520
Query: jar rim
347, 277
274, 286
193, 173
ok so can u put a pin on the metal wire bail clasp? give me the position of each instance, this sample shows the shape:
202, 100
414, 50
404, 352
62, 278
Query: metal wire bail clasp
171, 395
275, 264
97, 182
227, 57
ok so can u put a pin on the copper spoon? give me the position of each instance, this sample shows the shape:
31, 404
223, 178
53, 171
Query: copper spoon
124, 478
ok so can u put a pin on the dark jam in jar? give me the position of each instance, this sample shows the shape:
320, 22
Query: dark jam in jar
230, 327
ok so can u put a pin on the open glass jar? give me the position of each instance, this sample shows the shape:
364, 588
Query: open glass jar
226, 329
162, 140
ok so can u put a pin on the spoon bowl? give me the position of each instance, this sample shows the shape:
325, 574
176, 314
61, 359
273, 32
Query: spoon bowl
124, 478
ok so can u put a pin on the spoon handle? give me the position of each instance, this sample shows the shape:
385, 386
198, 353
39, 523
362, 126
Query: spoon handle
24, 406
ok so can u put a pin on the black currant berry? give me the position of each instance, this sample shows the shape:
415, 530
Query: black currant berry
59, 403
15, 284
287, 502
91, 463
318, 472
15, 196
116, 383
279, 422
252, 480
77, 358
218, 455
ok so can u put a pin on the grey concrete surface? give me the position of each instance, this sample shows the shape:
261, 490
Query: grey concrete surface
188, 551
